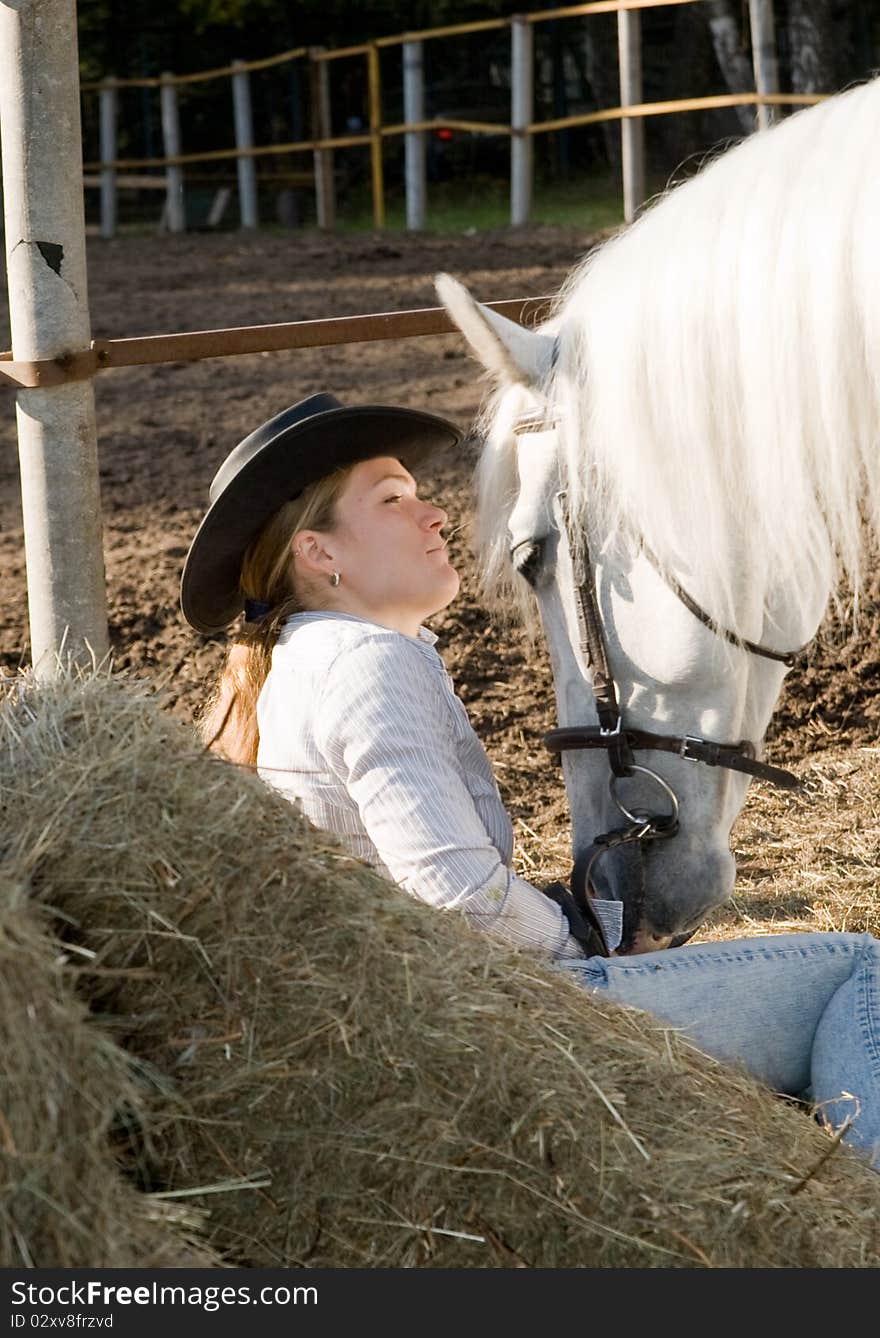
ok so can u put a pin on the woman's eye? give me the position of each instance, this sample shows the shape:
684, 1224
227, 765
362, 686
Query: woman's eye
395, 498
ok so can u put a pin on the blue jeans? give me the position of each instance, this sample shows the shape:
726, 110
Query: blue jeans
799, 1012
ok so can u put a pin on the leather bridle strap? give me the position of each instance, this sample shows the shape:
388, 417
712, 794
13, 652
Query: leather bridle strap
732, 756
786, 657
621, 743
610, 734
591, 643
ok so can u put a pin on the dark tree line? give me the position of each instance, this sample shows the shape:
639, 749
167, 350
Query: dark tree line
135, 37
687, 51
823, 43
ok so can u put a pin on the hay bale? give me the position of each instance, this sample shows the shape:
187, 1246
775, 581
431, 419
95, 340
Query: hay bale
64, 1094
368, 1082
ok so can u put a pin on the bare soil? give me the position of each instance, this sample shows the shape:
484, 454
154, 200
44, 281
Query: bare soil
164, 430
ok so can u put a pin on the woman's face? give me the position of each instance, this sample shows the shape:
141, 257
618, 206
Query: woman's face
387, 547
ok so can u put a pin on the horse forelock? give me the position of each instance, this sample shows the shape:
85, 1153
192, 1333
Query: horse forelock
718, 378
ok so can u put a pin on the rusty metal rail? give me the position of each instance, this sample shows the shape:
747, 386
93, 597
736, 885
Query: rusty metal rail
193, 345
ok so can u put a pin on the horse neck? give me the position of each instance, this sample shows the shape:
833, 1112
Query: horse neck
778, 614
719, 371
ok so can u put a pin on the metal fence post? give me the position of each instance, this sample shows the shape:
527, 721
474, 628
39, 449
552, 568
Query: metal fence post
49, 317
107, 105
522, 100
244, 139
414, 140
176, 207
322, 128
632, 129
374, 77
761, 19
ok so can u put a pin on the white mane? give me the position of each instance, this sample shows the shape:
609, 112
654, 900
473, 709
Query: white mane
718, 378
497, 486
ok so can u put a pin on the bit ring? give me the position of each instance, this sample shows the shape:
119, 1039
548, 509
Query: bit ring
640, 817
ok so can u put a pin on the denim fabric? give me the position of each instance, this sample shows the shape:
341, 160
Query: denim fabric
800, 1012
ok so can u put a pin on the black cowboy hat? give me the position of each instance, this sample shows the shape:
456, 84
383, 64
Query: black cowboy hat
272, 466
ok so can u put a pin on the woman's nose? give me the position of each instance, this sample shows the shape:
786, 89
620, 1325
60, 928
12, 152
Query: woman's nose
435, 517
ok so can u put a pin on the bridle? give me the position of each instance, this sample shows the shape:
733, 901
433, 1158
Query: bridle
621, 742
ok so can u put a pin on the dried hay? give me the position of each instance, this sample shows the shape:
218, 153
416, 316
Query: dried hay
809, 861
65, 1093
361, 1081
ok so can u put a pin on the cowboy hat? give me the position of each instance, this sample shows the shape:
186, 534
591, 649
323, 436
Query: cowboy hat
273, 465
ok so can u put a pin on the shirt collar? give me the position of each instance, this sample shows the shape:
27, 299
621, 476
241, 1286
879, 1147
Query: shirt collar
424, 636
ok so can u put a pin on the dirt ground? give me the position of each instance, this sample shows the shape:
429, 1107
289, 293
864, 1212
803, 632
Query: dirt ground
164, 430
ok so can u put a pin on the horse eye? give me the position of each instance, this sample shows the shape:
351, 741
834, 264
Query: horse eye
527, 557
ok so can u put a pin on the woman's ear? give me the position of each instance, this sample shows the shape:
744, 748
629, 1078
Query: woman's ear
310, 551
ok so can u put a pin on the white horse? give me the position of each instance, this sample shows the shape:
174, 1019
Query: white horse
707, 394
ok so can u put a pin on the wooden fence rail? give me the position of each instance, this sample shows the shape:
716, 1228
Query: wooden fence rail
53, 362
521, 130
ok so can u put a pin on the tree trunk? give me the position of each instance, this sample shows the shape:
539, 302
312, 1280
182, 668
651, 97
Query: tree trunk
811, 37
733, 60
600, 68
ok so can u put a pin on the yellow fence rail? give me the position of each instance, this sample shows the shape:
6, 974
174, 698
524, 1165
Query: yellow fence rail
632, 113
423, 35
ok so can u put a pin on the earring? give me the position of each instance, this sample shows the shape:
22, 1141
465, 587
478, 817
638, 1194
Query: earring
334, 578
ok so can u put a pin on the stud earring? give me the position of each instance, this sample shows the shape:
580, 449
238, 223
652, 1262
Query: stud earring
334, 578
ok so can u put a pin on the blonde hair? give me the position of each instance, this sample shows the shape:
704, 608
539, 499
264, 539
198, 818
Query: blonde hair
229, 723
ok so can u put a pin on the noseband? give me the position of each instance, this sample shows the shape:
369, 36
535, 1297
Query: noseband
620, 742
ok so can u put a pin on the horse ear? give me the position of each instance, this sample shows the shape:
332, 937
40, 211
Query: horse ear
507, 350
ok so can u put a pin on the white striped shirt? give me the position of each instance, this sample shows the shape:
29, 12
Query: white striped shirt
360, 727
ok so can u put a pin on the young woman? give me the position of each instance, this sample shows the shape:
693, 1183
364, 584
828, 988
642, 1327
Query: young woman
336, 693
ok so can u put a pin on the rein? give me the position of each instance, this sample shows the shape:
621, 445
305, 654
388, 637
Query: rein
610, 733
621, 743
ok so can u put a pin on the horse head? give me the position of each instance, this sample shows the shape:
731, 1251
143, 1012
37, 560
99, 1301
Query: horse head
674, 675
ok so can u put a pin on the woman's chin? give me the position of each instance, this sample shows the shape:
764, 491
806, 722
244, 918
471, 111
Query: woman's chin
449, 586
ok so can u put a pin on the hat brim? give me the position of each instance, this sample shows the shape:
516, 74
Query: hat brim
210, 597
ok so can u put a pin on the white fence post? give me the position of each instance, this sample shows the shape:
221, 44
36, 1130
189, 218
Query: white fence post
522, 99
632, 129
325, 186
414, 140
764, 57
49, 317
244, 139
175, 204
107, 105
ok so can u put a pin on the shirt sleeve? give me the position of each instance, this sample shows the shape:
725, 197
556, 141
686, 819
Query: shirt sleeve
386, 730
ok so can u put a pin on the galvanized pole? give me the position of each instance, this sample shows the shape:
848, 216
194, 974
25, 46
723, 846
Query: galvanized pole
522, 99
414, 140
49, 317
175, 205
244, 139
325, 186
764, 57
107, 105
632, 129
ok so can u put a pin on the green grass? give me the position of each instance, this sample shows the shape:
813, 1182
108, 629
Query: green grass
478, 203
484, 203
